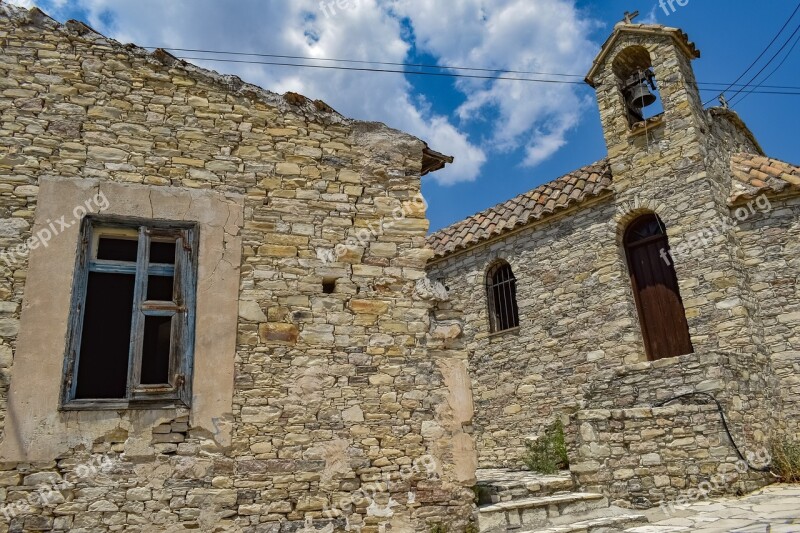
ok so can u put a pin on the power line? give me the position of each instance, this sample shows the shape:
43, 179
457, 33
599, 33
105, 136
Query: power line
783, 89
408, 65
797, 29
796, 9
744, 85
424, 73
776, 69
792, 91
356, 61
365, 69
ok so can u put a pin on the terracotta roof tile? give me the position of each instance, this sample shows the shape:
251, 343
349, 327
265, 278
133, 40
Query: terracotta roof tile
755, 174
752, 176
561, 193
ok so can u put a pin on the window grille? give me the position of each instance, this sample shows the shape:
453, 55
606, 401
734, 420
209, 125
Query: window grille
501, 287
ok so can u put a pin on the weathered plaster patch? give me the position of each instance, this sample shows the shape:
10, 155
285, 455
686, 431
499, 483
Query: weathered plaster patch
457, 413
337, 462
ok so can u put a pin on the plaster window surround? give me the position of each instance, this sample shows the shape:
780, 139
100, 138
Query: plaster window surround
36, 428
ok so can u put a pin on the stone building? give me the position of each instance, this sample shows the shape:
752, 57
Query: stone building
220, 310
670, 267
214, 300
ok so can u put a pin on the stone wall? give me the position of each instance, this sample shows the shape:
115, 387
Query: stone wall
577, 318
771, 254
579, 334
648, 383
579, 324
338, 404
738, 381
652, 456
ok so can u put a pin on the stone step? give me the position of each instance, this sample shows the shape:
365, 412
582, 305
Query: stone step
502, 485
608, 524
538, 511
611, 511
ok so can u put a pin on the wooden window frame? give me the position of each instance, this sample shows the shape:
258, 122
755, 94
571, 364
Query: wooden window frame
502, 293
138, 396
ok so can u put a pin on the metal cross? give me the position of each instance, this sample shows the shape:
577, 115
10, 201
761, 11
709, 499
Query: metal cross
630, 16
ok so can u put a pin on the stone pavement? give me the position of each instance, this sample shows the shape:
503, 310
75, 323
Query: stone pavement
775, 509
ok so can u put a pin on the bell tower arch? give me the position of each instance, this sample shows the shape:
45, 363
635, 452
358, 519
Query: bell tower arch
648, 98
633, 68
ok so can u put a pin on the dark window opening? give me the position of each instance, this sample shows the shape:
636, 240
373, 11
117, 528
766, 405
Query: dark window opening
502, 298
130, 340
106, 338
159, 288
116, 249
162, 252
155, 350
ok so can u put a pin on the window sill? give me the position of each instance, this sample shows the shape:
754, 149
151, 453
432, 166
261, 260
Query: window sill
497, 334
640, 128
122, 405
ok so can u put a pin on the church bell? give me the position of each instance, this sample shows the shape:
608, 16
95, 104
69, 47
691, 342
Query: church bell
640, 96
637, 92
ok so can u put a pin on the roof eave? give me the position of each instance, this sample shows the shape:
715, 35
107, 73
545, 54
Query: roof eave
433, 160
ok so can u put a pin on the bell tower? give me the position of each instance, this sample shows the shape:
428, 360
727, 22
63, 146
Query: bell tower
670, 157
638, 67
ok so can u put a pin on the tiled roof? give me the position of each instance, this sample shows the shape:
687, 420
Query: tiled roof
556, 195
752, 176
755, 174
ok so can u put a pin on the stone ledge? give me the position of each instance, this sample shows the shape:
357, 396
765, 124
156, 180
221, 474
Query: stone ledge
543, 501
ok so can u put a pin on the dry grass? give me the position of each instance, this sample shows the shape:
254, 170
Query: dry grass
786, 460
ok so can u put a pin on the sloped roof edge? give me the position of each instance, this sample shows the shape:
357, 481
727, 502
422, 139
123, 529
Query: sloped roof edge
733, 117
680, 37
557, 195
433, 160
754, 175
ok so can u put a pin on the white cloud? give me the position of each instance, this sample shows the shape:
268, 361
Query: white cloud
27, 4
651, 17
539, 35
547, 36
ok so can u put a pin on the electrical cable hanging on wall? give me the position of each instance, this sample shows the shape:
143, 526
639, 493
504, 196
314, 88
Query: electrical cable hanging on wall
739, 453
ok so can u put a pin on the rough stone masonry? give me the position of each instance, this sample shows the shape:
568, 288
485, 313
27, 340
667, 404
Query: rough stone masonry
335, 352
324, 396
578, 343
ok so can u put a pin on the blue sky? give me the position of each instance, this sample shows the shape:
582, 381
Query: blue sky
729, 34
507, 137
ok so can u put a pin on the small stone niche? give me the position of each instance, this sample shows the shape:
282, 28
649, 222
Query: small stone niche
329, 285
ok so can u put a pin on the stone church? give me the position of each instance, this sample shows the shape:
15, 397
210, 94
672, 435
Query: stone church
221, 311
631, 295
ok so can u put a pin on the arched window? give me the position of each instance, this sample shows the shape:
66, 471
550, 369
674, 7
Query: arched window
501, 293
655, 288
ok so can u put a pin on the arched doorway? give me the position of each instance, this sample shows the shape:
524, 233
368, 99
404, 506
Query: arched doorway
655, 288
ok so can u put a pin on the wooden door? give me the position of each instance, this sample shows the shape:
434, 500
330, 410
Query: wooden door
655, 287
